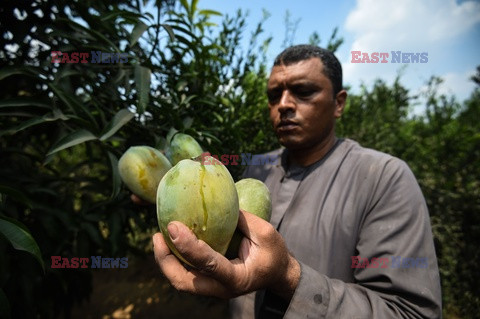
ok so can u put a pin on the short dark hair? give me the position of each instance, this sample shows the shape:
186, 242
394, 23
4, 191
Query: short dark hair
331, 66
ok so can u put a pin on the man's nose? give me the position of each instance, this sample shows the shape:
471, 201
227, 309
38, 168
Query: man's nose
287, 102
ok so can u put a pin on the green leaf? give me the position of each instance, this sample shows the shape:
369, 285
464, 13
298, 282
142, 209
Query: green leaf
213, 137
218, 117
15, 194
181, 85
8, 71
35, 121
186, 100
72, 139
187, 122
16, 233
148, 15
66, 73
142, 82
120, 13
119, 120
209, 13
189, 44
17, 113
193, 8
171, 133
160, 143
169, 30
120, 75
21, 101
116, 180
72, 102
137, 32
210, 24
183, 30
89, 32
184, 4
177, 22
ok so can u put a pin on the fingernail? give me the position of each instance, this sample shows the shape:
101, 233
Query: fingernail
172, 231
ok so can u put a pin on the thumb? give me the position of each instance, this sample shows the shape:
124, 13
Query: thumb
252, 226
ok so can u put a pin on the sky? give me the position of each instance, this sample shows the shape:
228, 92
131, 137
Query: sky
448, 31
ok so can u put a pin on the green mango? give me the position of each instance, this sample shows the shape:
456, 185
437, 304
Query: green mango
254, 197
141, 168
203, 197
182, 146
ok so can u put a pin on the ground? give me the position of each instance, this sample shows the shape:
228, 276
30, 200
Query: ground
141, 291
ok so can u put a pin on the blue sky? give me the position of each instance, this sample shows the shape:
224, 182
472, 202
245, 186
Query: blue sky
448, 30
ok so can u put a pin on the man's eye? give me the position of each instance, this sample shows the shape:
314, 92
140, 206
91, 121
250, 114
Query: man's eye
304, 93
273, 96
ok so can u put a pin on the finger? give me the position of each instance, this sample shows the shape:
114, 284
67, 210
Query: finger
200, 254
183, 279
163, 255
170, 265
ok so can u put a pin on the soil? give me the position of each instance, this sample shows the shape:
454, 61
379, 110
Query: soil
141, 291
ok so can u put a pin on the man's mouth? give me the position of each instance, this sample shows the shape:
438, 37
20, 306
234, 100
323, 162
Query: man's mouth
286, 125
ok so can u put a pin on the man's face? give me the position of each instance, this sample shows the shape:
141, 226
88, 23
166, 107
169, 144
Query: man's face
302, 106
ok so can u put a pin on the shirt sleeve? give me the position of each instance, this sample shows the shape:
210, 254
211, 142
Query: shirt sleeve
401, 278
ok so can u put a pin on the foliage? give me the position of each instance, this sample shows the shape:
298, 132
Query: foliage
447, 151
63, 127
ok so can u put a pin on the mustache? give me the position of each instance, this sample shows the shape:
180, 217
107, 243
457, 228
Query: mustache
284, 122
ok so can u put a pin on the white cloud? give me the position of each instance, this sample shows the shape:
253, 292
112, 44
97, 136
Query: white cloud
410, 26
380, 24
453, 19
457, 83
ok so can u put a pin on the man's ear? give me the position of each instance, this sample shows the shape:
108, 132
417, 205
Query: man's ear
340, 101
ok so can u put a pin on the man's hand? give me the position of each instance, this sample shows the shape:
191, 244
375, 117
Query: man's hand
263, 262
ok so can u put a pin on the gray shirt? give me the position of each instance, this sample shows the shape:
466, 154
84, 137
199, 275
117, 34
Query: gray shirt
358, 224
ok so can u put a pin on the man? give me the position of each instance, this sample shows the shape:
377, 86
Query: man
350, 234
